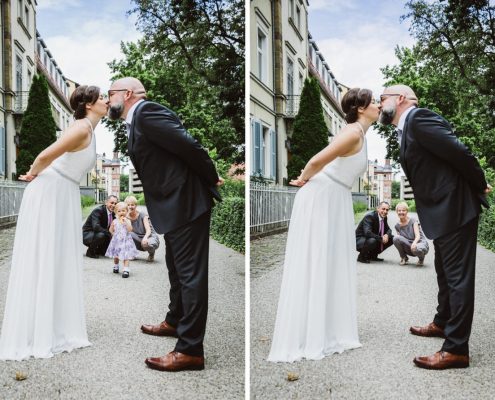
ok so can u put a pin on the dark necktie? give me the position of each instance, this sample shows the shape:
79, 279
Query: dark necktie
381, 232
110, 219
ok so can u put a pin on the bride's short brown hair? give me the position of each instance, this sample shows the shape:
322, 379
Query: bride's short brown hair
83, 95
354, 99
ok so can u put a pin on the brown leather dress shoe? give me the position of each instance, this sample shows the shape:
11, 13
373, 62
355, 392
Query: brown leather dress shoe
175, 361
162, 329
430, 330
442, 360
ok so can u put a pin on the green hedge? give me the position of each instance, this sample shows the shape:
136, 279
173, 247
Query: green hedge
410, 203
359, 207
486, 229
227, 222
87, 201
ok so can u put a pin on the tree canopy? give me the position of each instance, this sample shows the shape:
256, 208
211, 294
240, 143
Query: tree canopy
191, 59
452, 69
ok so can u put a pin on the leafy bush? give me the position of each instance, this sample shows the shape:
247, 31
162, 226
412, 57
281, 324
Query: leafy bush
123, 195
227, 225
87, 201
359, 207
486, 229
410, 203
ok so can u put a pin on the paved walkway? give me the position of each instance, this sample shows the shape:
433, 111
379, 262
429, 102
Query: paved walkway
113, 368
390, 299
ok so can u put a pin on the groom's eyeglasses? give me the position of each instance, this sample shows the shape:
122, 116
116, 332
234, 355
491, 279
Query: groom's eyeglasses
384, 96
112, 91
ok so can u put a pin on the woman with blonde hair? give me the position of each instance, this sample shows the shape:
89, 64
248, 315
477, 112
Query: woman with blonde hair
144, 236
410, 239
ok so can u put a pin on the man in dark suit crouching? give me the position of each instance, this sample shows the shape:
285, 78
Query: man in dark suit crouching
96, 233
373, 235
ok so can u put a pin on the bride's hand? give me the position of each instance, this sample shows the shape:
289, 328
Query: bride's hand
26, 178
297, 182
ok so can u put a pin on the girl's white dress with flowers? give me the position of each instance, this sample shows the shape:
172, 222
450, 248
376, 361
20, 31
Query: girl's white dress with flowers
44, 309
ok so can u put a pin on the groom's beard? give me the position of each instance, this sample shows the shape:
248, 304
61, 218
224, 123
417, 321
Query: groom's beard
115, 111
387, 115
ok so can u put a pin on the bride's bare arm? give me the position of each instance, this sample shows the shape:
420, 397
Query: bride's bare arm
343, 145
73, 139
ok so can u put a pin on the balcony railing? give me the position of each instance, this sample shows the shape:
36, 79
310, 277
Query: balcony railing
20, 102
292, 105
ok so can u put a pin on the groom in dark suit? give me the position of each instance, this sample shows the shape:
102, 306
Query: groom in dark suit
179, 183
449, 188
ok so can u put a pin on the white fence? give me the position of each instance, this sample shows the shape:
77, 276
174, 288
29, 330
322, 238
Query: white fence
10, 201
270, 207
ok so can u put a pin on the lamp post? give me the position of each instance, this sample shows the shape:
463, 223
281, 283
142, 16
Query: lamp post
96, 183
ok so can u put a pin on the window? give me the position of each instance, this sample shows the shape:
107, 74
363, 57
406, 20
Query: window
301, 82
290, 77
298, 18
3, 154
30, 78
291, 9
273, 154
26, 17
258, 155
19, 8
262, 56
18, 73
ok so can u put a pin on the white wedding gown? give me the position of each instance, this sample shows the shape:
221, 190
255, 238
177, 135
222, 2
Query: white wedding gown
44, 311
316, 313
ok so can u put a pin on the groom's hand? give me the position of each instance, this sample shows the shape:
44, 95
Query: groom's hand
488, 188
220, 181
385, 239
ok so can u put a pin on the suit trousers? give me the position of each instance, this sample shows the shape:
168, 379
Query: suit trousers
186, 256
97, 242
371, 247
455, 259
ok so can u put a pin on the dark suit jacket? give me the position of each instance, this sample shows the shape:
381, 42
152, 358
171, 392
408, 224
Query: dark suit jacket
369, 227
447, 180
178, 177
97, 221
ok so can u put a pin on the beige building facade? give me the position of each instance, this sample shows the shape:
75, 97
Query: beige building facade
279, 46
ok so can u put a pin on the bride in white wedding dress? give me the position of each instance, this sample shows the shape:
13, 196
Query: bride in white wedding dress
44, 310
316, 313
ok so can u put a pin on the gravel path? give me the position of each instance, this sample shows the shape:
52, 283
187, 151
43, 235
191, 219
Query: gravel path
390, 299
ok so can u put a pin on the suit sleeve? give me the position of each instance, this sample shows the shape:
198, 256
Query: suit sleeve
163, 128
435, 135
96, 221
368, 228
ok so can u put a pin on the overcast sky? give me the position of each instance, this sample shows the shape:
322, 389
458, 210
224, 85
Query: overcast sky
83, 36
357, 38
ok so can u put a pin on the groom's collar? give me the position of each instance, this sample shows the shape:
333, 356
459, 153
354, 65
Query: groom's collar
130, 113
402, 119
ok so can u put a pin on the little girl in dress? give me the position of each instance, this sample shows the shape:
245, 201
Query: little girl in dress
121, 246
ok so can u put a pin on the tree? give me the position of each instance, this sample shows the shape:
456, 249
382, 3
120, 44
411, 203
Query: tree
310, 133
395, 190
451, 69
124, 183
191, 60
38, 128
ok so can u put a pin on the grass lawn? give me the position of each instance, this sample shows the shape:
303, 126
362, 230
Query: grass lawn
359, 216
87, 210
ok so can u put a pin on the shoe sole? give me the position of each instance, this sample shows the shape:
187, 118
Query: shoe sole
190, 368
426, 366
159, 334
428, 335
